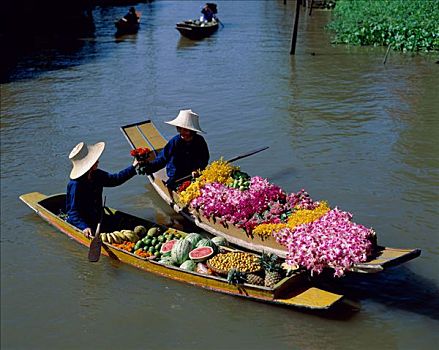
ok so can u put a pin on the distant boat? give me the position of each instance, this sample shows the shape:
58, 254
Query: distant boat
125, 26
195, 29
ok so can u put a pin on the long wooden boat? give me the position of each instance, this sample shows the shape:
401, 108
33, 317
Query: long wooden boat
127, 27
292, 291
145, 134
195, 29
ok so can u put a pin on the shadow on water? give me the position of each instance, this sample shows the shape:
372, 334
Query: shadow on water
398, 288
42, 54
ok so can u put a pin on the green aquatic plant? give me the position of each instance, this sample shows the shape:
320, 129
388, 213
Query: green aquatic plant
408, 26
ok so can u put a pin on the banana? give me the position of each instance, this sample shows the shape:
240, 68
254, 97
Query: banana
115, 237
123, 236
109, 238
103, 237
119, 234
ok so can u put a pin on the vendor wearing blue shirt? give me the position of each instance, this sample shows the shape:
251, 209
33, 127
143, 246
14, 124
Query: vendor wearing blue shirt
186, 153
84, 190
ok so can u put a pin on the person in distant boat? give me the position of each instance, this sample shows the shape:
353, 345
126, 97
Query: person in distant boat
185, 154
131, 16
208, 13
84, 190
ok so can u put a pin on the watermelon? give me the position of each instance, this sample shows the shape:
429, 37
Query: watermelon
188, 265
220, 241
167, 247
201, 253
166, 260
180, 251
206, 242
194, 238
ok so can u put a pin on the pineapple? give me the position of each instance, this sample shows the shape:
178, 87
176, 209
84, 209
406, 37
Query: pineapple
235, 277
255, 279
273, 269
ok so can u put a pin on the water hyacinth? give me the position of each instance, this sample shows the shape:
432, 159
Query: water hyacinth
331, 241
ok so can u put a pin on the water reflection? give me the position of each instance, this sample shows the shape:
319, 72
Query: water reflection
398, 288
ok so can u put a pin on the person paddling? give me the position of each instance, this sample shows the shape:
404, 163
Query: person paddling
84, 190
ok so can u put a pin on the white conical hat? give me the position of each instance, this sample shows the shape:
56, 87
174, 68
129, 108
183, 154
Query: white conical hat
186, 119
83, 157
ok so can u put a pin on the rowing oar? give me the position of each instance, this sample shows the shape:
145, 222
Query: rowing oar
94, 252
234, 159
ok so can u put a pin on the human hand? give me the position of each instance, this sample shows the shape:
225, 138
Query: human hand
87, 232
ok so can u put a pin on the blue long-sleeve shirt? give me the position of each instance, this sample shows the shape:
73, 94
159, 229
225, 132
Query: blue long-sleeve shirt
84, 197
181, 157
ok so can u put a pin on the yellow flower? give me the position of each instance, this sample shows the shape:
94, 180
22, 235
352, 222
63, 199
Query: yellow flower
304, 216
266, 230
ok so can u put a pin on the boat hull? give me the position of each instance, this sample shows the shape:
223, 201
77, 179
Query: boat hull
293, 291
195, 31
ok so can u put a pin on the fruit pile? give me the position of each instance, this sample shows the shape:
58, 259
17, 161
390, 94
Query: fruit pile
153, 241
240, 261
190, 252
121, 236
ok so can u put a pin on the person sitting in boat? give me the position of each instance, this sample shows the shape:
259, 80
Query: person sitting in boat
208, 12
131, 16
186, 153
84, 190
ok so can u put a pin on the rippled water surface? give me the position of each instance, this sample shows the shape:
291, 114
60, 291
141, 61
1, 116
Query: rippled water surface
350, 130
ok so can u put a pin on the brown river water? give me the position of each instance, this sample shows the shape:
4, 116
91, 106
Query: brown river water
340, 124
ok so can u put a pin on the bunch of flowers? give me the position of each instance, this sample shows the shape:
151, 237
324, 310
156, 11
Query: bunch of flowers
304, 216
301, 200
141, 154
331, 241
234, 205
218, 171
183, 186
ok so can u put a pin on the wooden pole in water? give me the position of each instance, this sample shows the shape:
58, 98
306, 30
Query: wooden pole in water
294, 35
387, 53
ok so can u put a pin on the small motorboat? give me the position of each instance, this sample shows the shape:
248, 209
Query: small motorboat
196, 29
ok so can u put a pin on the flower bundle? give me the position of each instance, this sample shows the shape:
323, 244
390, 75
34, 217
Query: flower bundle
331, 241
304, 216
234, 205
218, 171
141, 154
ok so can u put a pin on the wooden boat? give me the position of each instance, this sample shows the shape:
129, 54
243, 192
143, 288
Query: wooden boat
195, 29
145, 134
293, 291
127, 27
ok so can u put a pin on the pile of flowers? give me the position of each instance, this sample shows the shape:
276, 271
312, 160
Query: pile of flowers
331, 241
233, 205
218, 171
315, 235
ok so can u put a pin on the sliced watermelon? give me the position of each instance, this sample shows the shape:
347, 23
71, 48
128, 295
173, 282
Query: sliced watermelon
167, 247
201, 253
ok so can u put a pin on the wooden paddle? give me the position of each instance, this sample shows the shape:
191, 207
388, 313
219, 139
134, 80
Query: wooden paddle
234, 159
94, 252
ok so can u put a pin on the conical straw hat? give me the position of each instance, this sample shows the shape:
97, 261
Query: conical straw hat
83, 157
187, 119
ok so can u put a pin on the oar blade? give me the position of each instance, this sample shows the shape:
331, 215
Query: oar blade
94, 252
